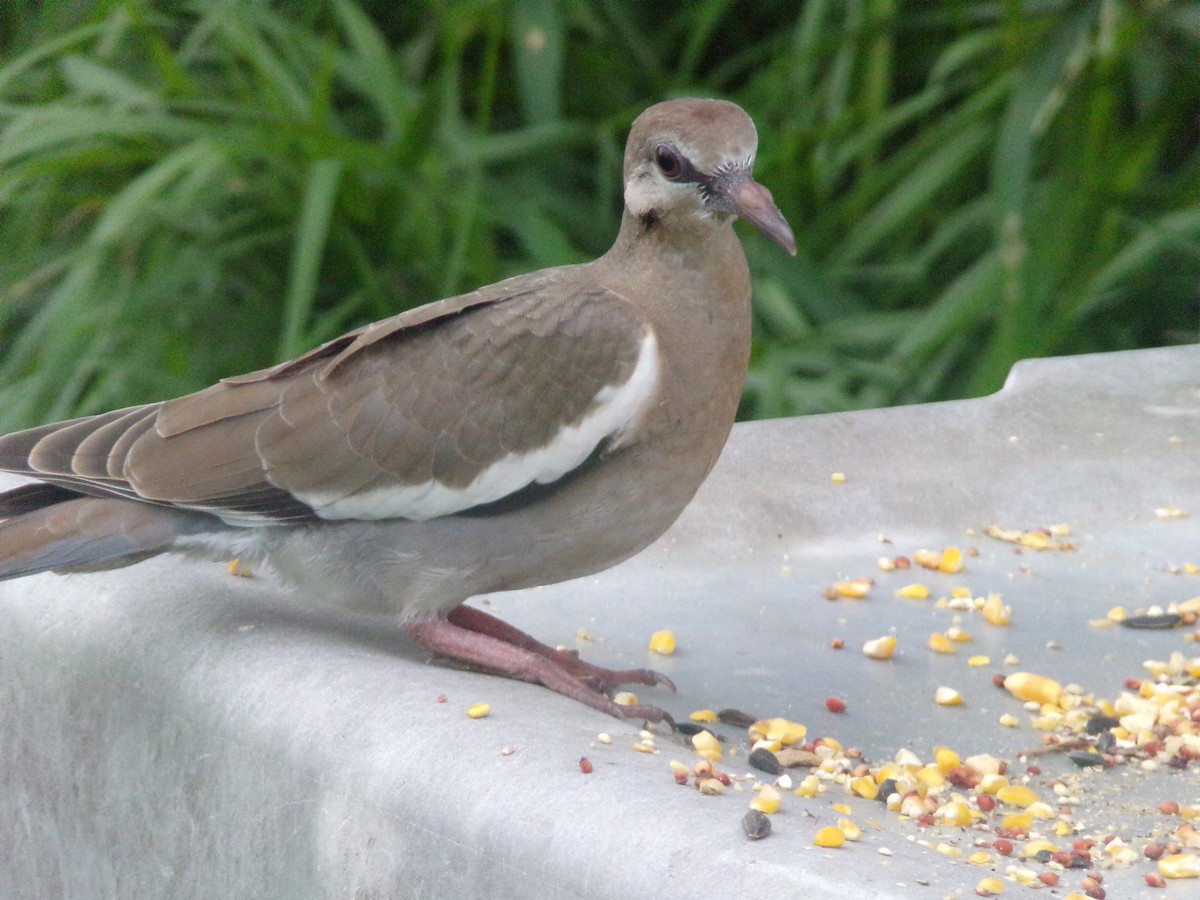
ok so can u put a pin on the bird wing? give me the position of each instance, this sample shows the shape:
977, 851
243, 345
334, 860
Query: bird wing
436, 411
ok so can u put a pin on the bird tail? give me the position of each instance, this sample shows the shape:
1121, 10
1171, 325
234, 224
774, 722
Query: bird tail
43, 531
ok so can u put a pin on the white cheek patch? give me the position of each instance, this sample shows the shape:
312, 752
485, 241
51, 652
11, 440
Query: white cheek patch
642, 194
617, 408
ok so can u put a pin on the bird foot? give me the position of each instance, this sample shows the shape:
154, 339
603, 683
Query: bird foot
483, 642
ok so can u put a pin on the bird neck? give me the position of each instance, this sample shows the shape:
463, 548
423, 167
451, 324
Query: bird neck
679, 247
691, 281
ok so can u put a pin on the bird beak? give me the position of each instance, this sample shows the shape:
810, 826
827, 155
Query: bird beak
753, 203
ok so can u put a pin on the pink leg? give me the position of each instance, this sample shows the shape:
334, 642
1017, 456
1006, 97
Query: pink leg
483, 623
495, 655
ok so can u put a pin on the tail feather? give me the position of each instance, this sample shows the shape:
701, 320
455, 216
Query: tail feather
28, 497
86, 534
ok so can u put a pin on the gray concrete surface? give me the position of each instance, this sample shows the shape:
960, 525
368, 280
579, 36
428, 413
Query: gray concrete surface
169, 730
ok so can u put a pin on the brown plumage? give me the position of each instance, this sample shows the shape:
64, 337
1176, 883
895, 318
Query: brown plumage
538, 429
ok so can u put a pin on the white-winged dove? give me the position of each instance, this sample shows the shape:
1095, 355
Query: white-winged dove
535, 430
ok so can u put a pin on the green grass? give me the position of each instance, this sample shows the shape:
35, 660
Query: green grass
193, 190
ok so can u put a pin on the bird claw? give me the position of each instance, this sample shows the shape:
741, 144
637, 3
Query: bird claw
661, 679
473, 638
643, 711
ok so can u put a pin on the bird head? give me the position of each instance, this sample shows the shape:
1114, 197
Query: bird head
694, 158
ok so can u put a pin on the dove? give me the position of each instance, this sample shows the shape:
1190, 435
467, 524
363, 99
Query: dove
535, 430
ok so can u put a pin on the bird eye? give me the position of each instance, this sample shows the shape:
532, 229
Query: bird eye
669, 162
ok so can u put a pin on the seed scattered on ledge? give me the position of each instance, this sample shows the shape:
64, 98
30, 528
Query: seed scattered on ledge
880, 648
735, 718
829, 836
765, 761
756, 825
767, 801
662, 643
1161, 620
947, 696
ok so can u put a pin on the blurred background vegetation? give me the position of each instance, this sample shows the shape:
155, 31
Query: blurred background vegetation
190, 190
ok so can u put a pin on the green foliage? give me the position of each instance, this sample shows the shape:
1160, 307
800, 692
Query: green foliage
193, 190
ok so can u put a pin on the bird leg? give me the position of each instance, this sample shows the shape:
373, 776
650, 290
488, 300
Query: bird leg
484, 642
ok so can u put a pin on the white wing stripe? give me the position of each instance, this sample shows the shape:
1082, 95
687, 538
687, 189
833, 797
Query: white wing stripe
617, 408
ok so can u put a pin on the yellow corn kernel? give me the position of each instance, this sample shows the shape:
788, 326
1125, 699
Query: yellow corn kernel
782, 730
979, 858
766, 801
855, 589
479, 710
703, 715
843, 808
809, 787
939, 643
1179, 865
951, 561
829, 836
1022, 875
927, 559
1033, 848
1008, 720
888, 770
1038, 688
948, 850
958, 635
849, 829
980, 660
947, 696
991, 783
989, 887
662, 643
1017, 822
880, 648
625, 698
955, 813
706, 744
865, 787
1120, 852
1040, 809
960, 593
930, 776
1016, 795
946, 759
913, 592
995, 612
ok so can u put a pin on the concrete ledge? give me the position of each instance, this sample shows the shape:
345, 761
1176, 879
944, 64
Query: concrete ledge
171, 731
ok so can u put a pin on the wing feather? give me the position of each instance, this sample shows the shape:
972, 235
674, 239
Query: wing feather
429, 413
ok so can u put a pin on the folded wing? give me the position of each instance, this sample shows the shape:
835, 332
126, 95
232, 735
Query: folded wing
427, 414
